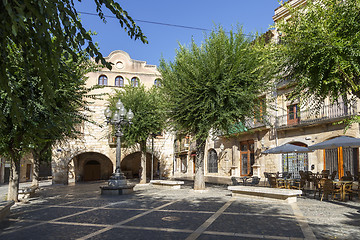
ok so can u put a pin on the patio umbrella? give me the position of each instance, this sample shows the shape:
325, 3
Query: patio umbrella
342, 141
287, 148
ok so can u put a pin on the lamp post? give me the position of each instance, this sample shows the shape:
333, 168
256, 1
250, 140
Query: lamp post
118, 119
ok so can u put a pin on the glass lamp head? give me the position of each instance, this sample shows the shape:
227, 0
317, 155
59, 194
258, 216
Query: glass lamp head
119, 104
107, 113
116, 117
130, 115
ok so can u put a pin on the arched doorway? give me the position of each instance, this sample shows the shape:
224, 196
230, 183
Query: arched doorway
92, 166
92, 171
130, 165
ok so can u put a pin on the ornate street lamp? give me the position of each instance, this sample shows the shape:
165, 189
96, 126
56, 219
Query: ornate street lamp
117, 183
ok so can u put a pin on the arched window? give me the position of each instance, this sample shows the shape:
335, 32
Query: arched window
102, 80
135, 82
119, 81
212, 161
157, 82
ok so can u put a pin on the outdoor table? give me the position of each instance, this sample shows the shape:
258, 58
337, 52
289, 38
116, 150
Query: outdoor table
342, 188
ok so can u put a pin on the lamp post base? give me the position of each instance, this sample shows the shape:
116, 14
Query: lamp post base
117, 185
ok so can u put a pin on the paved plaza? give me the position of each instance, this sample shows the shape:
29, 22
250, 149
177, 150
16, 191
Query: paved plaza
78, 211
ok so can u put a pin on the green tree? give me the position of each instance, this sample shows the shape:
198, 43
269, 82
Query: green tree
212, 86
43, 29
38, 38
40, 124
59, 122
319, 50
149, 117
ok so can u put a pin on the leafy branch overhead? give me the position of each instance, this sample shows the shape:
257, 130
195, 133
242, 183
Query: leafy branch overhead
320, 50
43, 31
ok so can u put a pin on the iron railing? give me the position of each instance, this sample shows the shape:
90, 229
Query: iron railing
327, 112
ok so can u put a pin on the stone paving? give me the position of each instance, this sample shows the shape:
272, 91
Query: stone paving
78, 211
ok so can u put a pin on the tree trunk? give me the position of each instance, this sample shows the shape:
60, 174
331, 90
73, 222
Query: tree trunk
143, 163
14, 181
36, 169
199, 181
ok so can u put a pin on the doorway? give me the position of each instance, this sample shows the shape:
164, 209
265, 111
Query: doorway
92, 171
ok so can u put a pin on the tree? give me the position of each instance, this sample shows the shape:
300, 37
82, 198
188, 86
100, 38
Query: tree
319, 50
212, 86
56, 123
37, 40
149, 117
40, 124
43, 29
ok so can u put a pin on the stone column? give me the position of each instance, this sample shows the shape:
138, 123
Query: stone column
60, 171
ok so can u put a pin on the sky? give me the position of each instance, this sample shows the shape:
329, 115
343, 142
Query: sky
253, 15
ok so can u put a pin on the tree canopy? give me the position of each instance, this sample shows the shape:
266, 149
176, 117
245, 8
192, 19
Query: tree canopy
215, 85
320, 50
39, 123
42, 30
150, 117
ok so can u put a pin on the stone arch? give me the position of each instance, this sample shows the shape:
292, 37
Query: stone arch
131, 163
92, 166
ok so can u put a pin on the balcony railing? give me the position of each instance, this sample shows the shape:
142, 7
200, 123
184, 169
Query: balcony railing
326, 113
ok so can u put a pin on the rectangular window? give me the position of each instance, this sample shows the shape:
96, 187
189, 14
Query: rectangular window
293, 116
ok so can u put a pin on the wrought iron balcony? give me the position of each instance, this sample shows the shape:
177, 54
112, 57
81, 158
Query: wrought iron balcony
331, 112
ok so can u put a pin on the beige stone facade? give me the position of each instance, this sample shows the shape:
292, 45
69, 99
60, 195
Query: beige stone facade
93, 156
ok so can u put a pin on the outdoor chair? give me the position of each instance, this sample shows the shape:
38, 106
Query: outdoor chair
252, 181
266, 175
325, 173
348, 190
348, 173
327, 188
273, 181
234, 181
333, 175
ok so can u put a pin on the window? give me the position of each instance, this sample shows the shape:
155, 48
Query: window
119, 81
135, 82
342, 160
212, 161
295, 162
157, 82
102, 80
247, 158
293, 116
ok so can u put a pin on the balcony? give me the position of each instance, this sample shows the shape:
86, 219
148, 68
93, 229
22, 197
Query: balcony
328, 113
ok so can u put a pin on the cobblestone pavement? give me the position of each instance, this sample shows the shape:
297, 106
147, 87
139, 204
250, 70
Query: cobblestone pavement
78, 211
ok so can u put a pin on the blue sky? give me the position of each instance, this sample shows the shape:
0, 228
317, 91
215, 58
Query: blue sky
254, 15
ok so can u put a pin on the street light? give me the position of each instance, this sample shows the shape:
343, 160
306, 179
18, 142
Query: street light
118, 119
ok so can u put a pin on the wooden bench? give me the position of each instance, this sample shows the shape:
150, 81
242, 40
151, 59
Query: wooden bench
5, 209
167, 183
288, 195
25, 193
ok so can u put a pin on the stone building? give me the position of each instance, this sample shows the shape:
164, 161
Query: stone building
241, 154
92, 156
